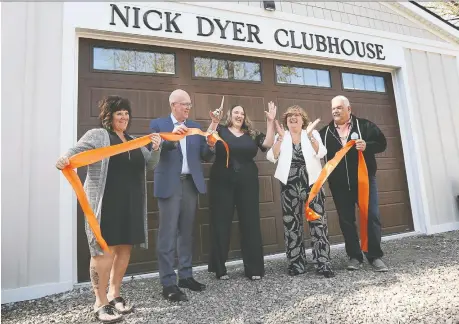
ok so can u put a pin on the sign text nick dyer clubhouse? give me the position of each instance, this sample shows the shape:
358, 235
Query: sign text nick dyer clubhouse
169, 22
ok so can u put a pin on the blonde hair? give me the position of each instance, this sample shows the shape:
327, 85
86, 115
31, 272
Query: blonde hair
295, 109
247, 126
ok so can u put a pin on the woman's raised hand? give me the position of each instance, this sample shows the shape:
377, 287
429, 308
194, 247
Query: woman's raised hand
217, 114
312, 126
280, 130
271, 113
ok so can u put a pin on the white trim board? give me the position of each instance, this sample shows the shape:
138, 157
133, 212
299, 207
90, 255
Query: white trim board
34, 292
448, 227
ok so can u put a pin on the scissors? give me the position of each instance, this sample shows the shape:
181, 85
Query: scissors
219, 110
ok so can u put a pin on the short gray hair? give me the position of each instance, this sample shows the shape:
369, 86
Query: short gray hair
176, 93
343, 99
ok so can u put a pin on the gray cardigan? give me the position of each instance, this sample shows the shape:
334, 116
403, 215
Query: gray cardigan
96, 177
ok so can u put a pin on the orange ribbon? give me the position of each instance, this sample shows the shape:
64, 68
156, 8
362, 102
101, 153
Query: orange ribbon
363, 188
96, 155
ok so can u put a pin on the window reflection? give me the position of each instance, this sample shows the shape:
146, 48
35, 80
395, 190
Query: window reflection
362, 82
302, 76
380, 87
133, 61
369, 83
323, 78
226, 69
358, 82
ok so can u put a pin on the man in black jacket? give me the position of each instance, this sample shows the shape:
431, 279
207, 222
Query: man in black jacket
343, 180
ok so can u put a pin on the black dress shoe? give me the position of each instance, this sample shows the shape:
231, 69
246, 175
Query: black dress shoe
173, 293
191, 284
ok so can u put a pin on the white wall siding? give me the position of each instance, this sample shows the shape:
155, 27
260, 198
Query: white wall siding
434, 81
31, 62
15, 157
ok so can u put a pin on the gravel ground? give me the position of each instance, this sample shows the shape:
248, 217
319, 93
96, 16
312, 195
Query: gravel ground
422, 286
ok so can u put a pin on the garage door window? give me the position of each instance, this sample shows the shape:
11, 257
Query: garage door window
363, 82
110, 59
212, 68
302, 76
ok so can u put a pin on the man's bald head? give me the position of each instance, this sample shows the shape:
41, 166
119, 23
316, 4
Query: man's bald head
180, 103
179, 95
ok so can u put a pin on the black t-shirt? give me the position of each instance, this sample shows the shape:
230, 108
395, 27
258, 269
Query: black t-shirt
242, 149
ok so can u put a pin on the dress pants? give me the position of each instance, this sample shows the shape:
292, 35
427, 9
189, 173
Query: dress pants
176, 223
345, 201
230, 189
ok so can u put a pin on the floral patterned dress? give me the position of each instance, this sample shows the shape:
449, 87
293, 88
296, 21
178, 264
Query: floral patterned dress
293, 197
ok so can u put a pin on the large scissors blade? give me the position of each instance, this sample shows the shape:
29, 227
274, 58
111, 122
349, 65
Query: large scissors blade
223, 101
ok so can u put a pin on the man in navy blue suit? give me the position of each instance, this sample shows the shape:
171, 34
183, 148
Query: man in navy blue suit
178, 181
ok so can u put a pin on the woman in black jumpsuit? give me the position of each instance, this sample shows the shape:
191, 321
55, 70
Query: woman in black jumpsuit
237, 187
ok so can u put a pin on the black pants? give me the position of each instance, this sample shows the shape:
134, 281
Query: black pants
345, 201
228, 190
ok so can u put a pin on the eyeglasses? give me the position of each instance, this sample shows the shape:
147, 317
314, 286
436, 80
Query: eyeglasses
184, 104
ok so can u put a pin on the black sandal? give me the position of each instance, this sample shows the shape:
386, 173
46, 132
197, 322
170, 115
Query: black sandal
108, 310
120, 300
325, 271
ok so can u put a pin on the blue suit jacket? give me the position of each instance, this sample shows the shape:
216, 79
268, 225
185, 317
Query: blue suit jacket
167, 172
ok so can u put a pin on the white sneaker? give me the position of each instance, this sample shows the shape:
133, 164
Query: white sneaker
379, 266
353, 264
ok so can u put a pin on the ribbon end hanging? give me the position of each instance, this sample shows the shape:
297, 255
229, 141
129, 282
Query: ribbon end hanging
363, 201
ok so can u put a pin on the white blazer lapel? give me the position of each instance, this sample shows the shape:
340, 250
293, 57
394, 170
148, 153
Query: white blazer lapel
286, 149
285, 159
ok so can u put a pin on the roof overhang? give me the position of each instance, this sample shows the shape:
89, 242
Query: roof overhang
427, 20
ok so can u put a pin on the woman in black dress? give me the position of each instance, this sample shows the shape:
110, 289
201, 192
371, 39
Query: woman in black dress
116, 189
237, 186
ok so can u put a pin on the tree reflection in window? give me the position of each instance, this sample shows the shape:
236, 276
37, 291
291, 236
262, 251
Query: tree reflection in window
133, 61
226, 69
302, 76
289, 74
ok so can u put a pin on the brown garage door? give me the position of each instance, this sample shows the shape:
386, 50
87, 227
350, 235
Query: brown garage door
146, 75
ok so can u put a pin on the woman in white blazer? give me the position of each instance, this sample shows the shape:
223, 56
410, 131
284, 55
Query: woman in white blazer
297, 152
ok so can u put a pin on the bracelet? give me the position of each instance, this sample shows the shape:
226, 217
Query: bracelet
312, 139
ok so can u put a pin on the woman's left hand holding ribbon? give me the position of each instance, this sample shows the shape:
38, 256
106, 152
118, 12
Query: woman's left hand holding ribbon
62, 162
155, 140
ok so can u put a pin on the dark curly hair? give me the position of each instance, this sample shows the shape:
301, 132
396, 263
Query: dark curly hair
110, 105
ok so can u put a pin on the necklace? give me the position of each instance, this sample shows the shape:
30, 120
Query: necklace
345, 136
